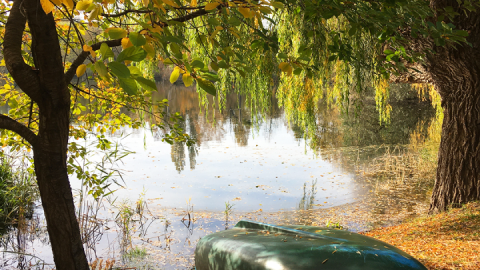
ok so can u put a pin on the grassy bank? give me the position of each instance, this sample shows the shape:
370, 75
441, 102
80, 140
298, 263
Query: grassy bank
449, 240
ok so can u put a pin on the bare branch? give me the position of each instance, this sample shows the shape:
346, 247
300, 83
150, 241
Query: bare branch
10, 124
81, 58
125, 12
192, 15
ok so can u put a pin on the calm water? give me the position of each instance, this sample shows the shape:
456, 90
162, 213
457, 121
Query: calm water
259, 166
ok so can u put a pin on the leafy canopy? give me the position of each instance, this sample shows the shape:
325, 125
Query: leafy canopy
303, 50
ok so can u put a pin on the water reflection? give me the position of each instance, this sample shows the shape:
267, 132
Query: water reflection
260, 167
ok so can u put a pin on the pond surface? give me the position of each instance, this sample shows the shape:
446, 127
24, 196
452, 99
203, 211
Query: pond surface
243, 166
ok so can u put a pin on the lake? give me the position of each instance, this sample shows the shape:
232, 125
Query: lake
245, 165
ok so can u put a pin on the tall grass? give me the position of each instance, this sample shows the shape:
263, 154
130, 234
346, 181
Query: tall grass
18, 191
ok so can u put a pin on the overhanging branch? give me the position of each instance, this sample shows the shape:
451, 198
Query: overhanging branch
125, 12
117, 42
12, 125
82, 56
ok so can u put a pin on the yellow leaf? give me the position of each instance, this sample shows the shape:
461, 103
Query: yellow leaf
170, 3
245, 12
214, 33
219, 28
94, 14
163, 9
86, 48
282, 66
57, 2
93, 53
187, 79
175, 74
211, 6
156, 29
285, 67
265, 10
193, 3
232, 30
149, 49
81, 70
82, 5
145, 3
47, 6
126, 43
68, 3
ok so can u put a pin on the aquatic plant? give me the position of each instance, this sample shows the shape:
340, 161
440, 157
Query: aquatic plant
334, 225
18, 191
135, 253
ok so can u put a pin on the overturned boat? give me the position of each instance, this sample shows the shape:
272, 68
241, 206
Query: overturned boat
256, 246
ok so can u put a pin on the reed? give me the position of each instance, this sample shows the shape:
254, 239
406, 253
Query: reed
18, 191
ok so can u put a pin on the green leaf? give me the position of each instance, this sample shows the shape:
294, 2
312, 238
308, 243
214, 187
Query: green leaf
116, 33
211, 76
278, 5
175, 49
297, 71
282, 55
197, 64
12, 103
146, 84
387, 52
119, 69
207, 85
129, 85
173, 39
175, 74
462, 33
106, 51
134, 71
222, 64
214, 66
332, 58
101, 68
213, 21
132, 54
137, 39
256, 44
234, 21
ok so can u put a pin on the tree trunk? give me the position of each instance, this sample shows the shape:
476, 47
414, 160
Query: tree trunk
455, 73
46, 86
458, 172
56, 194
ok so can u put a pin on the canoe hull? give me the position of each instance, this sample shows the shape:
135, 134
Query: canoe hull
258, 246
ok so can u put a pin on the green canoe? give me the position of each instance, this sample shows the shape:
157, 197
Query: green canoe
255, 246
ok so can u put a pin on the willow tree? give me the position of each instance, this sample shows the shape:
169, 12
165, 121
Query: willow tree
58, 52
358, 44
332, 48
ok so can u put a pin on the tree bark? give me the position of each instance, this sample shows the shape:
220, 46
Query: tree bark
455, 73
47, 87
458, 172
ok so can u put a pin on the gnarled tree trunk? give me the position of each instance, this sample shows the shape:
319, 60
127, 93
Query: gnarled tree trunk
455, 73
458, 172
